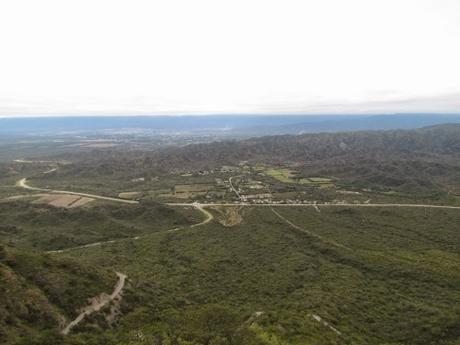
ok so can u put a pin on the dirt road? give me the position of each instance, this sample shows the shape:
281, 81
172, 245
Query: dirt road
95, 244
319, 319
50, 171
234, 189
321, 238
199, 207
32, 162
98, 303
22, 183
208, 215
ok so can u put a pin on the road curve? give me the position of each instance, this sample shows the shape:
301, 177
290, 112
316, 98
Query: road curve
96, 306
199, 207
208, 215
22, 183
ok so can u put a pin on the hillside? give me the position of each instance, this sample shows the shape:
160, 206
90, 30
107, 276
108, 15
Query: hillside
378, 276
411, 160
29, 225
439, 140
40, 293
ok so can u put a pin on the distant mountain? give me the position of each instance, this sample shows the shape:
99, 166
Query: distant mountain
223, 125
409, 159
439, 139
362, 123
418, 159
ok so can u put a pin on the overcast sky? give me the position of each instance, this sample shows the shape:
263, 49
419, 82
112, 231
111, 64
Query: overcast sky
236, 56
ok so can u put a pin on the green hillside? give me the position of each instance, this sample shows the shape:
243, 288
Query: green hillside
375, 275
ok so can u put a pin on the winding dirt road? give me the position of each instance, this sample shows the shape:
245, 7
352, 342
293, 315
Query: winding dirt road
98, 303
22, 183
208, 215
94, 244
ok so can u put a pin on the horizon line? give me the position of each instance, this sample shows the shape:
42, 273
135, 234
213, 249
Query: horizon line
28, 116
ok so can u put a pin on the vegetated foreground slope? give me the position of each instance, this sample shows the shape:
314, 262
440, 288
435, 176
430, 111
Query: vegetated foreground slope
355, 276
39, 293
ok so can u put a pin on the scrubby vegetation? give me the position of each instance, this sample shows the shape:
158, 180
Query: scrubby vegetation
40, 293
401, 289
48, 228
312, 274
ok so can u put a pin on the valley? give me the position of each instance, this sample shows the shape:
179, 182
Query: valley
273, 240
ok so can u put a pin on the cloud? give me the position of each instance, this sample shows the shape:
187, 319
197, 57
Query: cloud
207, 56
449, 103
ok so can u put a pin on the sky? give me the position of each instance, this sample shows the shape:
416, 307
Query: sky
112, 57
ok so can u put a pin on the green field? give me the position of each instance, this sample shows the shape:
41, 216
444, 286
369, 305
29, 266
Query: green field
289, 176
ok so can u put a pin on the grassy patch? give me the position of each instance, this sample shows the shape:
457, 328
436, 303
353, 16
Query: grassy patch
290, 176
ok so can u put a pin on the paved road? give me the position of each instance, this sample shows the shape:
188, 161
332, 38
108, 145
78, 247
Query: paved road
202, 205
98, 303
23, 184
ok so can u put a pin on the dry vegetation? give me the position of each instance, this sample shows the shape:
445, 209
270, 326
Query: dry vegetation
229, 216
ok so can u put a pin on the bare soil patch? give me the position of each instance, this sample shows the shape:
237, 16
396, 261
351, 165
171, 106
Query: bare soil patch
81, 202
229, 216
63, 200
129, 195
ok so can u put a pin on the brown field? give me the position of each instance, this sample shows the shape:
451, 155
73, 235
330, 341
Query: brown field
187, 195
259, 196
129, 195
229, 216
63, 200
80, 202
